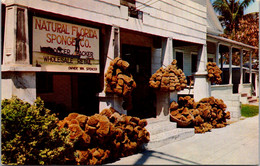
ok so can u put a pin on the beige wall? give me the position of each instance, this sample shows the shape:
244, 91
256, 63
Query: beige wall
182, 20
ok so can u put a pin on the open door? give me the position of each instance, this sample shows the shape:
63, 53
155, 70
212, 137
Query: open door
143, 97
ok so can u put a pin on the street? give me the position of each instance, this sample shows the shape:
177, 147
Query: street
235, 144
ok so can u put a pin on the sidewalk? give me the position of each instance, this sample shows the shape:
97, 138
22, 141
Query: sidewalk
235, 144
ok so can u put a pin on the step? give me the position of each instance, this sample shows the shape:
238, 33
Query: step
165, 138
253, 100
249, 97
243, 94
160, 126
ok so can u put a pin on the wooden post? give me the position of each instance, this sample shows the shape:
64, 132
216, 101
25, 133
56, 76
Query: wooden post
230, 65
217, 53
250, 67
241, 72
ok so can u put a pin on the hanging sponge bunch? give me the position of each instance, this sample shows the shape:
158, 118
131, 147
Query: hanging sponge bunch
214, 73
169, 78
118, 80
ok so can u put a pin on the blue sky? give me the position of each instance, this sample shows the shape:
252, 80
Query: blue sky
253, 7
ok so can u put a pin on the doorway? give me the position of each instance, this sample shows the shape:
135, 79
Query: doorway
143, 97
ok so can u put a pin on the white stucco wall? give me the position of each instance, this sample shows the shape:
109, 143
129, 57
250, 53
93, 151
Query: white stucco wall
232, 101
179, 19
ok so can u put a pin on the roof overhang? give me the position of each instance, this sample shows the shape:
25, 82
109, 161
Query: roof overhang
229, 42
213, 24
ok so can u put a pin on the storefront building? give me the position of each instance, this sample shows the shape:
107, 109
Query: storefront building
60, 50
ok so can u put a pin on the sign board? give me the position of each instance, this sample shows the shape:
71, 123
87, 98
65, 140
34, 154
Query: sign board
65, 47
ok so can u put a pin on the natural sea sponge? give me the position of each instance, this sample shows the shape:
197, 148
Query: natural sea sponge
118, 80
75, 131
106, 136
115, 117
174, 105
72, 116
104, 126
107, 112
142, 123
90, 129
63, 124
83, 156
82, 119
74, 121
93, 120
174, 112
214, 73
168, 79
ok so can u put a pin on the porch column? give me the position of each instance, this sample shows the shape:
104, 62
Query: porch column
217, 53
241, 72
256, 85
250, 67
230, 65
18, 75
167, 60
164, 98
202, 87
221, 65
167, 51
113, 51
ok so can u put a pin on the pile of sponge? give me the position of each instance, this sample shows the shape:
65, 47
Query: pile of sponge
106, 136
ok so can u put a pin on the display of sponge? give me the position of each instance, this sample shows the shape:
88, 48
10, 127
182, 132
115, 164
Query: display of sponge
214, 73
169, 78
118, 80
206, 114
105, 136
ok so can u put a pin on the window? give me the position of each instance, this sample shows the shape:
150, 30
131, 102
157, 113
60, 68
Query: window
194, 61
44, 82
179, 58
132, 10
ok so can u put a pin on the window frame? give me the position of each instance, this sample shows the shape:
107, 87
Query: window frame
196, 66
181, 51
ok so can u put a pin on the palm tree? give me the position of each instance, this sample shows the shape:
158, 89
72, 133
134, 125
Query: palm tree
230, 12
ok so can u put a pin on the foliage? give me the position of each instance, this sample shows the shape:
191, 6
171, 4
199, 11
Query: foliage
30, 134
248, 33
230, 12
249, 110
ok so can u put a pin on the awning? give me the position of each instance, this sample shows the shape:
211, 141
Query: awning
229, 42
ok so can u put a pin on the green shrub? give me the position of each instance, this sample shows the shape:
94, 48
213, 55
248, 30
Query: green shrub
30, 135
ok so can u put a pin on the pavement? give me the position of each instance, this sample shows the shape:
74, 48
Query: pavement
235, 144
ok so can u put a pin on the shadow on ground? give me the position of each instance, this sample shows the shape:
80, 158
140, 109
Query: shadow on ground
162, 156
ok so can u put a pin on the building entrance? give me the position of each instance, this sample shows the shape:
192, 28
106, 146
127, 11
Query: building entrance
143, 97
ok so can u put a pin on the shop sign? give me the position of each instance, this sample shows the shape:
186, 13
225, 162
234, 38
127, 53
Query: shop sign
65, 47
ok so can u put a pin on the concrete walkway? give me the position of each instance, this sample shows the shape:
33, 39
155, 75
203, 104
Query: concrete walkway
236, 144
